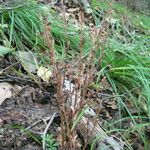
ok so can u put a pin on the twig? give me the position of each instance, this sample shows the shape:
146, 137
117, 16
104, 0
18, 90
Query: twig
35, 123
46, 129
11, 78
32, 125
2, 70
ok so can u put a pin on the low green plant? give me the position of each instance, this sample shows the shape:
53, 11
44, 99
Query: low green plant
51, 143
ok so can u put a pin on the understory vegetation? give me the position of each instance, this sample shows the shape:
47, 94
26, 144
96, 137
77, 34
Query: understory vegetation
107, 52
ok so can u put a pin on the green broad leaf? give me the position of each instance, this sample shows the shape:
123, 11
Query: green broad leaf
4, 50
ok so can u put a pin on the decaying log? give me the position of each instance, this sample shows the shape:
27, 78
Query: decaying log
91, 131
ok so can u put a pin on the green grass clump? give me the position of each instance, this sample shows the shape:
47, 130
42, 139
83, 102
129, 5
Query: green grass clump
140, 21
126, 66
22, 27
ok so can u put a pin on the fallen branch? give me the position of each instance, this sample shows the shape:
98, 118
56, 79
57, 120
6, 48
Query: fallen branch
46, 129
97, 136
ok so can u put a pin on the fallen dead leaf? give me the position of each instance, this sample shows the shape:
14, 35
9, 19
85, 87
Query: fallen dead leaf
7, 90
44, 73
28, 60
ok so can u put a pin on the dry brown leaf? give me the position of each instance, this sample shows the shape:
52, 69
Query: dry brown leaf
7, 90
44, 73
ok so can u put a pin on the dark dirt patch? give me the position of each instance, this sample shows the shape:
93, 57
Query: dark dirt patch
21, 112
28, 106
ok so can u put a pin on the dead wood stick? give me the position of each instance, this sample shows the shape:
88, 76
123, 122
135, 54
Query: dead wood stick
46, 129
94, 131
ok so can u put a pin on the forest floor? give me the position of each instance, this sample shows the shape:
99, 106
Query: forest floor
27, 106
